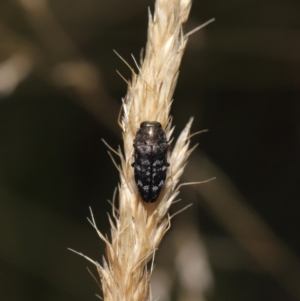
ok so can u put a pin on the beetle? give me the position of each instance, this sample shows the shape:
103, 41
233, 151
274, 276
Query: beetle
150, 165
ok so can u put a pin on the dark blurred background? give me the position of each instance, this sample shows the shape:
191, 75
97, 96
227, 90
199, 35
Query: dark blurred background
60, 95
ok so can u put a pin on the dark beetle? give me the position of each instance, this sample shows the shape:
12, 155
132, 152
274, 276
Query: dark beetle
150, 166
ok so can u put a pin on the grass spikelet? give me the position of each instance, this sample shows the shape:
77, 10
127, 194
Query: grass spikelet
138, 227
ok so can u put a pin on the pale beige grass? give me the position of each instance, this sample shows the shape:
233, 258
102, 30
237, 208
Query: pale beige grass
138, 227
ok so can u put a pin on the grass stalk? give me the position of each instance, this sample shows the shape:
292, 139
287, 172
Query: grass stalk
137, 227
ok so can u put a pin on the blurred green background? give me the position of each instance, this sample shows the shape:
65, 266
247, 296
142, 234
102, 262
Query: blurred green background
60, 95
